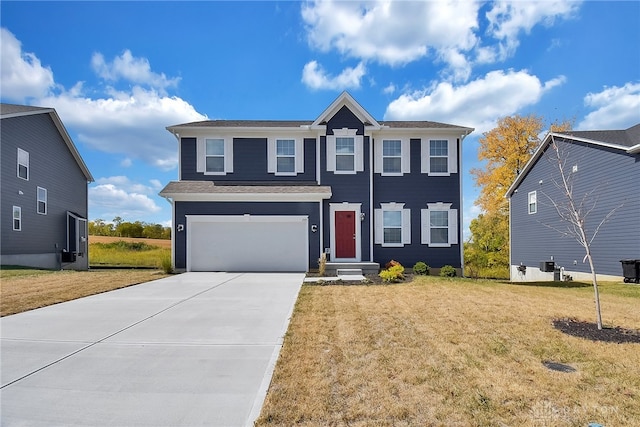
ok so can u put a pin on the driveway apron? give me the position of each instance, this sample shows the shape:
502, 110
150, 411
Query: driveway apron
195, 349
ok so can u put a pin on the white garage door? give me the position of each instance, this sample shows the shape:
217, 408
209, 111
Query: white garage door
247, 243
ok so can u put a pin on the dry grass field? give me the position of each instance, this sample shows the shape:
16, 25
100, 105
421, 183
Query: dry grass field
438, 352
22, 289
162, 243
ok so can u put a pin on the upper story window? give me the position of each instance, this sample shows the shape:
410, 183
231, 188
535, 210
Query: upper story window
439, 157
23, 164
42, 200
345, 152
532, 202
285, 156
17, 218
392, 225
214, 156
439, 225
391, 157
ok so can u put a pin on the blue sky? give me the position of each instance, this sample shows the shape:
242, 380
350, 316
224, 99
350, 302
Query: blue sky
118, 73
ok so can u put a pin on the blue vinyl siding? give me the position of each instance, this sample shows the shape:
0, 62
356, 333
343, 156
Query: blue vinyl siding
614, 175
51, 166
415, 190
249, 162
352, 188
310, 209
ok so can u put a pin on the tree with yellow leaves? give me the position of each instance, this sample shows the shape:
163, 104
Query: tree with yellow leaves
505, 150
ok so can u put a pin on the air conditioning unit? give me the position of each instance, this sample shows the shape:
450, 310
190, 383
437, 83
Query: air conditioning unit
547, 266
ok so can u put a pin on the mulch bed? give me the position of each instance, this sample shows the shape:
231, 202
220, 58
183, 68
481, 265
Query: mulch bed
590, 331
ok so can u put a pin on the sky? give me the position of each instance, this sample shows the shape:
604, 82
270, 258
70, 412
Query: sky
118, 73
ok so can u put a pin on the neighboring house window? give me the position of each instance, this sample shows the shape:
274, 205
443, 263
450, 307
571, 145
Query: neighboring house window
285, 156
17, 218
439, 225
42, 200
391, 157
345, 152
392, 225
439, 157
533, 202
23, 164
214, 156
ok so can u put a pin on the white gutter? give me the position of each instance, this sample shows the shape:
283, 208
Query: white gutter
371, 228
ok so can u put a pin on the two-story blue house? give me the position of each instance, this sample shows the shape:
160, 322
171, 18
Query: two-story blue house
273, 195
603, 172
44, 191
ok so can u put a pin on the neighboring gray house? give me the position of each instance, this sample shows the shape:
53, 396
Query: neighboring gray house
43, 191
267, 195
606, 163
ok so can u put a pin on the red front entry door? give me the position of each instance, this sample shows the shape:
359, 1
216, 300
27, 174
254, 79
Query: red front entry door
345, 234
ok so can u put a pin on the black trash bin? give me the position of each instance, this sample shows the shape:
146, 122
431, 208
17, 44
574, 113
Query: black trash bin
631, 270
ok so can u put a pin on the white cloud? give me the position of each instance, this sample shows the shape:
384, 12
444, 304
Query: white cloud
131, 69
615, 108
477, 104
118, 196
130, 122
391, 88
393, 33
315, 77
508, 19
126, 162
22, 74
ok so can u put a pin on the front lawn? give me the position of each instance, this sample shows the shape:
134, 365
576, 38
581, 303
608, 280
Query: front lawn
459, 352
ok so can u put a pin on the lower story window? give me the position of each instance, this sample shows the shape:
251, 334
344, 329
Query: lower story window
392, 225
17, 218
439, 225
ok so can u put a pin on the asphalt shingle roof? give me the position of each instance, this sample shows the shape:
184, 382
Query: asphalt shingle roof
627, 137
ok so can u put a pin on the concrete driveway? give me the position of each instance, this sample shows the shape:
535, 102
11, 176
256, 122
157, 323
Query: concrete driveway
195, 349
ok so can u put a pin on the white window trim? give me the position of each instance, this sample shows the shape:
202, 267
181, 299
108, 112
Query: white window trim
532, 196
452, 154
345, 206
25, 162
201, 163
272, 158
358, 148
379, 224
426, 225
13, 218
405, 159
46, 203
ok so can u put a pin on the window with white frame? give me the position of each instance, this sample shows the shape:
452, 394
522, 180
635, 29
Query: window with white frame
214, 156
285, 156
391, 156
532, 202
42, 200
345, 152
439, 225
392, 225
23, 164
439, 157
17, 218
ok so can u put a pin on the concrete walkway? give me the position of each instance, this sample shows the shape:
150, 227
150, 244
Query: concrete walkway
195, 349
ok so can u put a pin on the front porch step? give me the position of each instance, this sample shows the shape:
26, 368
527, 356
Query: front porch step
349, 272
362, 268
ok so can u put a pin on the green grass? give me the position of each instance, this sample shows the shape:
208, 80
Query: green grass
129, 254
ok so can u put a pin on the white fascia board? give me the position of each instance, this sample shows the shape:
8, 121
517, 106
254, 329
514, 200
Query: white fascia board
243, 132
634, 150
249, 197
431, 133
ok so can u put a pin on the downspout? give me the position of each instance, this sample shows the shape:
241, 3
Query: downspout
461, 210
321, 204
370, 197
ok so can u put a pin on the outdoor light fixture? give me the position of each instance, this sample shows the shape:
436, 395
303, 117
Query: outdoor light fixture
314, 228
180, 227
362, 216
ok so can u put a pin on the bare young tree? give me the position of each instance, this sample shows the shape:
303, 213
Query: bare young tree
574, 210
